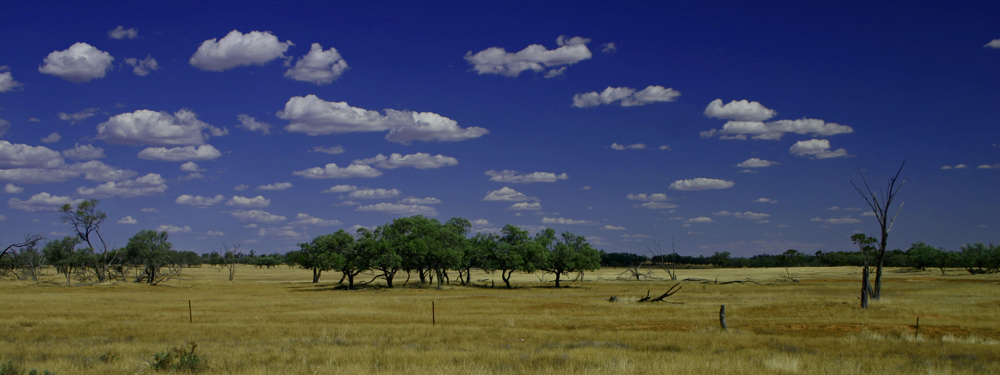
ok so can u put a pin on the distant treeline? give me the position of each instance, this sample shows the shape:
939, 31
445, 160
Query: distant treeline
974, 258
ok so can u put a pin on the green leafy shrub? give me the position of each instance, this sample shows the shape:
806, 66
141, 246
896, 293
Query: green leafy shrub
11, 368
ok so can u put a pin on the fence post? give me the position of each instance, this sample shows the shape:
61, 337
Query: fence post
190, 313
722, 318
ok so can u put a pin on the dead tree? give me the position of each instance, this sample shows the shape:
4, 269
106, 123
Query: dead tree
882, 204
673, 290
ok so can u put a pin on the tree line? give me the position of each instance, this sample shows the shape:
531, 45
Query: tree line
975, 258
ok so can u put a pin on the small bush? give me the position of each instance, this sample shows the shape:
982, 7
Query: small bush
108, 357
177, 359
11, 368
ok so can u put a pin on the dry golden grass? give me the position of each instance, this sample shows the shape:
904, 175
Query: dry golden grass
275, 321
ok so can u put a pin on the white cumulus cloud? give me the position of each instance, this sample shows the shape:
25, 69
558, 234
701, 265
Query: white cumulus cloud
331, 170
245, 202
525, 206
995, 43
12, 189
79, 63
7, 82
314, 116
341, 189
150, 184
756, 163
419, 161
634, 146
156, 128
506, 194
251, 124
701, 183
816, 148
776, 129
257, 216
537, 58
306, 219
238, 49
318, 66
277, 186
625, 96
374, 194
84, 152
121, 32
186, 153
741, 110
173, 229
42, 202
836, 221
564, 221
128, 220
509, 176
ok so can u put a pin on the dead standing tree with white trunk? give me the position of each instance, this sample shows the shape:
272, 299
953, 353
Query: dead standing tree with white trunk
882, 204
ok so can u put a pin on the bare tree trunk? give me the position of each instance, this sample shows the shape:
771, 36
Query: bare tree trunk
865, 288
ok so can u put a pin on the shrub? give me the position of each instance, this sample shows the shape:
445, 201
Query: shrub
181, 358
11, 368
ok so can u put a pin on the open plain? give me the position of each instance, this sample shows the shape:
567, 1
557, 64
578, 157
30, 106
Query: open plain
271, 321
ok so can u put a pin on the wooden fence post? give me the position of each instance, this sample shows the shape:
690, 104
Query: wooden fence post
190, 313
722, 318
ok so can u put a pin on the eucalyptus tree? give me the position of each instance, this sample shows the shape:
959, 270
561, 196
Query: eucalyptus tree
448, 247
63, 255
568, 253
149, 251
374, 247
347, 256
86, 221
320, 255
513, 251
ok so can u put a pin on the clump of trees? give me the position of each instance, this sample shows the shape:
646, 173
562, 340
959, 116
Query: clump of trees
432, 250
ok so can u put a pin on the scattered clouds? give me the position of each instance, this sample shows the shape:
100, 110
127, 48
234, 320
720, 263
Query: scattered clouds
286, 232
73, 118
12, 189
414, 200
51, 138
335, 150
341, 189
306, 219
399, 209
374, 194
257, 217
612, 227
127, 220
173, 229
215, 233
609, 48
657, 205
835, 221
995, 43
186, 153
156, 128
333, 171
238, 49
989, 166
627, 97
251, 124
536, 58
419, 161
150, 184
318, 66
78, 64
7, 82
564, 221
121, 32
525, 206
699, 220
756, 163
701, 183
959, 166
42, 202
84, 152
764, 200
509, 176
655, 197
144, 66
756, 216
191, 167
244, 202
742, 110
776, 129
635, 146
816, 149
506, 194
314, 116
277, 186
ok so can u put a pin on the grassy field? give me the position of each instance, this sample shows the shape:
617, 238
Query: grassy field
275, 321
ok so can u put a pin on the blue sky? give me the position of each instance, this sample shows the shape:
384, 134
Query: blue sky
726, 126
